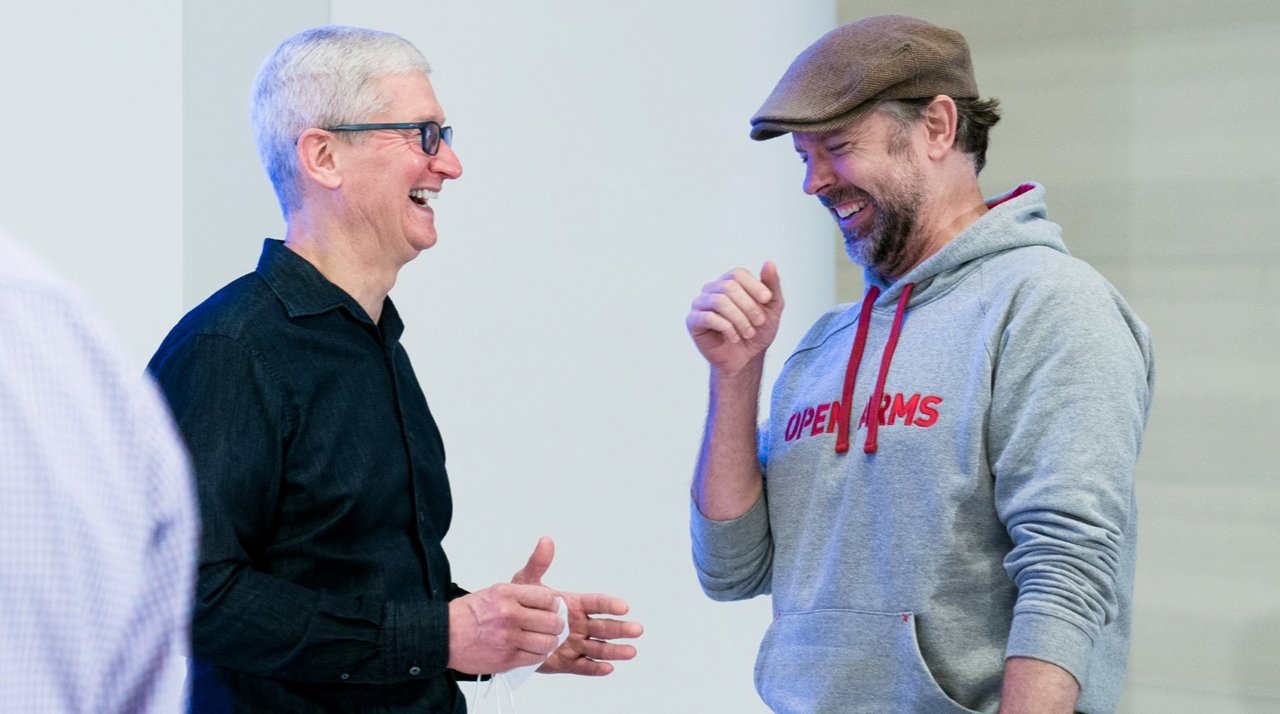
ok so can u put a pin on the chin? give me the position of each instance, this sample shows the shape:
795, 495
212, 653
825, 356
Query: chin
858, 250
421, 241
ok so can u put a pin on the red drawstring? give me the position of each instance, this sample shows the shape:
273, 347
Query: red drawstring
873, 416
851, 371
855, 359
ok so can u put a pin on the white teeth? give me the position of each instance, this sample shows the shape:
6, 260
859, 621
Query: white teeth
849, 209
423, 194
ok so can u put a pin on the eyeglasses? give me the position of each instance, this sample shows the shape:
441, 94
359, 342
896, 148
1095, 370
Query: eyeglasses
432, 132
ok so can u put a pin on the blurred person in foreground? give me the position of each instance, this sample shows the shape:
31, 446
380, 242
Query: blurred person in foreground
97, 518
321, 473
941, 500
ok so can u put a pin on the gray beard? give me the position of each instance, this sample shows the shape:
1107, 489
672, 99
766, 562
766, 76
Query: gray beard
885, 247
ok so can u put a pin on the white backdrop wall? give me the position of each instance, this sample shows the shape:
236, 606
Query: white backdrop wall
608, 175
91, 152
228, 203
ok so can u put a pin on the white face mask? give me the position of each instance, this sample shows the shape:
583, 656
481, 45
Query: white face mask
500, 689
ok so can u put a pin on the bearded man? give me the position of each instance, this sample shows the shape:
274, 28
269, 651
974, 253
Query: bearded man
974, 549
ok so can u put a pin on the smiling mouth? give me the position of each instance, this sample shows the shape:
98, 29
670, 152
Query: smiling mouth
420, 196
845, 210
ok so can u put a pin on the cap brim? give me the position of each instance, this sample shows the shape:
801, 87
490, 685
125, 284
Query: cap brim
763, 129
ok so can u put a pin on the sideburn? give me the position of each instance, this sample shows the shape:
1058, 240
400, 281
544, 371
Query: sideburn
896, 220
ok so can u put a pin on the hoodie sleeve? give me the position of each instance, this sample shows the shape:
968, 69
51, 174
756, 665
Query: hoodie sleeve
1070, 400
734, 558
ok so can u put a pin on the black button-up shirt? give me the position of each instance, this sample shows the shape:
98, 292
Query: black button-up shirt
323, 585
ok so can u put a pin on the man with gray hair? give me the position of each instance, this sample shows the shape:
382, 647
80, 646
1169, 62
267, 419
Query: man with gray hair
323, 584
975, 550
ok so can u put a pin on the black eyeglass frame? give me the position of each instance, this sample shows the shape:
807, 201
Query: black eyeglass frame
430, 146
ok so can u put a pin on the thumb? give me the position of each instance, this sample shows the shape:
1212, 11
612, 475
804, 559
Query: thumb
769, 276
539, 563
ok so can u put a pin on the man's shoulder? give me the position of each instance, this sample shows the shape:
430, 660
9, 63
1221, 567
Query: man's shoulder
1041, 268
239, 310
244, 312
1059, 290
43, 313
29, 279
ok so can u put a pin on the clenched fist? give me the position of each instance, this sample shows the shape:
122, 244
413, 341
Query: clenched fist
735, 318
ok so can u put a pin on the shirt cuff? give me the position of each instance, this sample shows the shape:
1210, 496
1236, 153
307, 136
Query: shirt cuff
421, 648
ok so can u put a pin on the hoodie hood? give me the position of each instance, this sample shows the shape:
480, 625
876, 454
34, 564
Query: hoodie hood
1015, 219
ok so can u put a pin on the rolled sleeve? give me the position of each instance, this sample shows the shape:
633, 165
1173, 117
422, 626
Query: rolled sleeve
733, 558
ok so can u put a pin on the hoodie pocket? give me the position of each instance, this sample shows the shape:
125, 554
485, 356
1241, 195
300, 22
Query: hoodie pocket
847, 661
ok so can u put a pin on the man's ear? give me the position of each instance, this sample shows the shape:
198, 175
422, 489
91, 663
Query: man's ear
939, 118
317, 159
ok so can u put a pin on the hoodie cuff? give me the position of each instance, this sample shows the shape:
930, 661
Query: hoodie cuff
1053, 640
731, 539
733, 558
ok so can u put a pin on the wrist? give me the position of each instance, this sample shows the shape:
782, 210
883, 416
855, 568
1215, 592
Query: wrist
736, 379
460, 620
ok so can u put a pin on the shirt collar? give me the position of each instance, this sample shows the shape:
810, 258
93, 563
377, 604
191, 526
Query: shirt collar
305, 291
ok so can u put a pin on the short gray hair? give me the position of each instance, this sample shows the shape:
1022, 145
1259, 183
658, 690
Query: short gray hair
974, 119
321, 77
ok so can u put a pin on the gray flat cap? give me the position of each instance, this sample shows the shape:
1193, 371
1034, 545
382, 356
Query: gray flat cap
886, 57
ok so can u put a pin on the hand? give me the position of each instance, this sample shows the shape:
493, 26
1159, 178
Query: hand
734, 320
588, 643
502, 627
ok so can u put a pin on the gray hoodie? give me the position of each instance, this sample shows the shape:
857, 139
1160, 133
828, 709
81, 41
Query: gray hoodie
986, 510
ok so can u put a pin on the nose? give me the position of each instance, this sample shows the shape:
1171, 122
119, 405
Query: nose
445, 162
817, 175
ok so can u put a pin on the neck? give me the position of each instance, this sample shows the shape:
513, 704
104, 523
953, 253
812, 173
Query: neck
943, 218
349, 261
957, 210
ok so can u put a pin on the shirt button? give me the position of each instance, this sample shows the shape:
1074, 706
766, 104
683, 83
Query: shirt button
345, 676
421, 516
415, 671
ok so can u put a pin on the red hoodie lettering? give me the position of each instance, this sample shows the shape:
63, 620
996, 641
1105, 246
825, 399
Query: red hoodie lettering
911, 410
824, 418
916, 410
